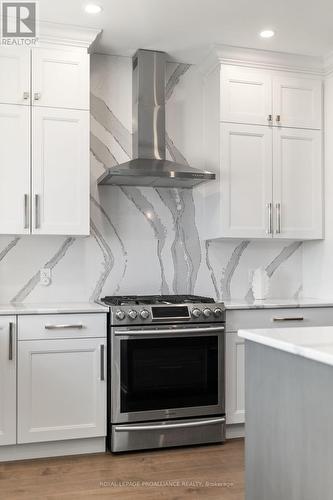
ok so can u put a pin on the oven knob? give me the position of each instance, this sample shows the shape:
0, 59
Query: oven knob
196, 313
207, 312
218, 312
132, 314
120, 315
144, 314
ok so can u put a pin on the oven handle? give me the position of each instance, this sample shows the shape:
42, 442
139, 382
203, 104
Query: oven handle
158, 427
158, 331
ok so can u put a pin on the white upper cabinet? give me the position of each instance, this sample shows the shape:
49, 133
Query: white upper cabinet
263, 140
246, 181
14, 169
60, 176
262, 97
15, 75
246, 95
7, 381
60, 78
297, 102
44, 129
298, 184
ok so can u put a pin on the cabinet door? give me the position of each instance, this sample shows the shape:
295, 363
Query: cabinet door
246, 95
60, 78
60, 175
61, 390
246, 181
7, 381
298, 102
235, 379
15, 79
14, 169
298, 190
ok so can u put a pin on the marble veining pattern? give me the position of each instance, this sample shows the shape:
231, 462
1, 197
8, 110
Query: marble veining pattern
230, 269
34, 280
143, 240
9, 247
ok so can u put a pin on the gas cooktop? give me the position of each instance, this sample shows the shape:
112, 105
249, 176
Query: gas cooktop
121, 300
139, 309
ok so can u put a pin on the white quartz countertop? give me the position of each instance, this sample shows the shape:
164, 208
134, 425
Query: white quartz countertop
277, 303
315, 343
52, 308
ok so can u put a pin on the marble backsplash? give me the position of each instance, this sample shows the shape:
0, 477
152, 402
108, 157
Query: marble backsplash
143, 240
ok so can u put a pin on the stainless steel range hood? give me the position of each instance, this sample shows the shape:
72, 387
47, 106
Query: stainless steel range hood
149, 166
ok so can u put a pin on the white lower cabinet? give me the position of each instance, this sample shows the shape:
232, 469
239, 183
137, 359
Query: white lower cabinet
61, 389
235, 386
234, 351
7, 380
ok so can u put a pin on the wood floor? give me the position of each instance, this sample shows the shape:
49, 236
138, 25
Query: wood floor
213, 472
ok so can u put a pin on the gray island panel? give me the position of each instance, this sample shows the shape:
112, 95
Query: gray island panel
289, 426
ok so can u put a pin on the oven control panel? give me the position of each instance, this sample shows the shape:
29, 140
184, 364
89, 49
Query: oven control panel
168, 313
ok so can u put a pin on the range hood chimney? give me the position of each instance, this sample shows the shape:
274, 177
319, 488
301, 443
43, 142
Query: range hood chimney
149, 166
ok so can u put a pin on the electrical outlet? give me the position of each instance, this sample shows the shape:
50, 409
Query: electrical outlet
45, 276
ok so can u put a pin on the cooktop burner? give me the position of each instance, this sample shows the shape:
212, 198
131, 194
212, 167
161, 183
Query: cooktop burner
155, 299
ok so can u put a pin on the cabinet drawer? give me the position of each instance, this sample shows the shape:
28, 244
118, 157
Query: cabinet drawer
279, 318
61, 326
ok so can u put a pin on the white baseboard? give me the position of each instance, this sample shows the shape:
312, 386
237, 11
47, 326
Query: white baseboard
52, 449
235, 431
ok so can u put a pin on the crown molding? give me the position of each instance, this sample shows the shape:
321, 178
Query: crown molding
265, 59
65, 34
328, 64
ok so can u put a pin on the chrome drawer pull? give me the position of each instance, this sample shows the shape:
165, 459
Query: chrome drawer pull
102, 362
63, 327
26, 211
295, 318
269, 215
161, 427
278, 218
11, 341
37, 211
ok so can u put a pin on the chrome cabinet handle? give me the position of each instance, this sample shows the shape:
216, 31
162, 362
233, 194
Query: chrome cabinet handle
158, 331
26, 95
270, 118
26, 211
161, 427
37, 211
269, 220
64, 327
278, 118
102, 362
292, 318
11, 341
37, 96
278, 218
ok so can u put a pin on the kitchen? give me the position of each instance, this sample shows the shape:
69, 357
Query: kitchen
185, 175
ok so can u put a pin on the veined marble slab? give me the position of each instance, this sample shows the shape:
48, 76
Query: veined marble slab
315, 343
277, 303
56, 308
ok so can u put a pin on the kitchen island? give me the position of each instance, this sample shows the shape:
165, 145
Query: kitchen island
289, 413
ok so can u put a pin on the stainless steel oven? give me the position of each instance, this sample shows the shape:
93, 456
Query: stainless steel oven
166, 378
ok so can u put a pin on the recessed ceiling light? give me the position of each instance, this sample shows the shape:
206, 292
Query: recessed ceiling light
267, 33
93, 8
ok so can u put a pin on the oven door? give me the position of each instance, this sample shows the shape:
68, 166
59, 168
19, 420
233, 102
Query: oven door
166, 372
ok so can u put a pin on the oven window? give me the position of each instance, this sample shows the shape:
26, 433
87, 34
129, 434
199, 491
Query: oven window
169, 373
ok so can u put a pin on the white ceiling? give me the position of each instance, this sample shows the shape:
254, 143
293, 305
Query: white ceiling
187, 28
